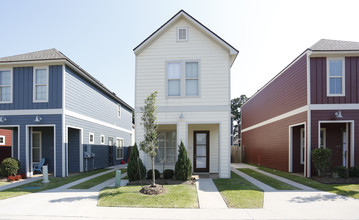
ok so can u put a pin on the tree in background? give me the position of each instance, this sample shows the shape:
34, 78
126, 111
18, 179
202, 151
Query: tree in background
135, 168
236, 105
149, 122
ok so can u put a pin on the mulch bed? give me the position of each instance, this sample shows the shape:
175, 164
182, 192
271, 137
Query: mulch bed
162, 182
331, 180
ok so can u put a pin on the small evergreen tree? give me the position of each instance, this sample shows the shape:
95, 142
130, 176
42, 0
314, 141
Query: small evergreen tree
322, 159
135, 168
183, 168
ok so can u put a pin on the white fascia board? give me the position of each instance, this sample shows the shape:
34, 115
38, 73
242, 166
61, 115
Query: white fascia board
334, 107
56, 111
334, 53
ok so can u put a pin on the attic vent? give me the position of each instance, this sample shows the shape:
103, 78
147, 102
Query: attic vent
182, 34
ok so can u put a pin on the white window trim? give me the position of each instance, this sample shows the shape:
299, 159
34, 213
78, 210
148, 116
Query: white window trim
302, 159
34, 84
104, 140
343, 76
119, 110
324, 137
183, 78
108, 139
11, 86
93, 139
2, 136
32, 146
123, 143
177, 34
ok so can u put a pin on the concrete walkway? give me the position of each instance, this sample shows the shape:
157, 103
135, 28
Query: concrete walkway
287, 181
19, 183
82, 204
208, 195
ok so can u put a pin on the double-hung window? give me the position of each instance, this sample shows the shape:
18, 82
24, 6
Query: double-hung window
182, 79
335, 77
191, 78
174, 79
119, 148
41, 81
166, 147
5, 86
2, 140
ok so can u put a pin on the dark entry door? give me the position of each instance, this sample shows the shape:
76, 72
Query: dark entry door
110, 151
201, 151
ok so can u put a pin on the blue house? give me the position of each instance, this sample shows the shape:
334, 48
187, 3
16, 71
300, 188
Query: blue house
58, 111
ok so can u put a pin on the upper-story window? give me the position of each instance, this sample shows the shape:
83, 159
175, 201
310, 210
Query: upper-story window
335, 77
2, 140
182, 78
182, 34
5, 86
91, 138
41, 84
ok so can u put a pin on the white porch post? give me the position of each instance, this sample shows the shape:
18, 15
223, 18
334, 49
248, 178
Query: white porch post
182, 134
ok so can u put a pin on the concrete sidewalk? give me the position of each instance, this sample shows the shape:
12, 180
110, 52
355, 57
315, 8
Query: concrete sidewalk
208, 195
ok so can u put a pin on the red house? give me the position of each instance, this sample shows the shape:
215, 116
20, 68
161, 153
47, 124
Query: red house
5, 144
311, 103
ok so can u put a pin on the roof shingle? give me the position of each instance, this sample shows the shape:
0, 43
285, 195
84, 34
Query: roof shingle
50, 54
334, 45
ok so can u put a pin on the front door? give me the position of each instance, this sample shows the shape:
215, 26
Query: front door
201, 151
36, 146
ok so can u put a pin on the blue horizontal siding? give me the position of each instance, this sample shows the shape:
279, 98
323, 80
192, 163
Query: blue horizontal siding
23, 89
84, 98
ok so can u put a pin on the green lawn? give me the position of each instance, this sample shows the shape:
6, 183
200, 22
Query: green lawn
351, 190
4, 183
276, 184
39, 186
97, 180
178, 196
239, 193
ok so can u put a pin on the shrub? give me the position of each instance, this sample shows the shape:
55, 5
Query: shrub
354, 171
183, 168
9, 166
342, 172
17, 177
23, 175
321, 159
149, 174
11, 178
168, 174
135, 168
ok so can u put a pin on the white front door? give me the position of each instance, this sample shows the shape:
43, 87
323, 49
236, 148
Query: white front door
36, 146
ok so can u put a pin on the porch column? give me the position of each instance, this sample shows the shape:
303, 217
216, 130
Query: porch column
224, 150
182, 133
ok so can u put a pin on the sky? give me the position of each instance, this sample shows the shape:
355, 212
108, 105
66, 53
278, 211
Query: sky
100, 35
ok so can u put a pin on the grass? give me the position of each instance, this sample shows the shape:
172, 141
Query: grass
239, 193
4, 183
178, 196
54, 183
97, 180
276, 184
351, 190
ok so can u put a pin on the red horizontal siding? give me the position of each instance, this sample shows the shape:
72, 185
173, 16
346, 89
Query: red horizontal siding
268, 145
287, 92
318, 81
328, 115
8, 138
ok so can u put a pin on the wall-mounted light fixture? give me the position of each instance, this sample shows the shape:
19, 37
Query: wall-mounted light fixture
2, 119
338, 115
181, 116
38, 119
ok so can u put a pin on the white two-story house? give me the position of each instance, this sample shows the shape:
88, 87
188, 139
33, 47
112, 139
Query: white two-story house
189, 66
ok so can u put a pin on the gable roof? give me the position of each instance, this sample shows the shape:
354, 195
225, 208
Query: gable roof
182, 14
55, 55
334, 45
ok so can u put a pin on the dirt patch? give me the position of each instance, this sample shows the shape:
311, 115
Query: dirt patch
3, 179
331, 180
153, 190
162, 182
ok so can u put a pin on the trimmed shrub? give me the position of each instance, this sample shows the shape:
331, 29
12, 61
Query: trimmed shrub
11, 178
354, 171
135, 168
157, 174
342, 172
322, 159
9, 167
23, 176
168, 174
183, 168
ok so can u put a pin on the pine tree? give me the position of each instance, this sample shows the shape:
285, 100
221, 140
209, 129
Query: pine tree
135, 169
183, 168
